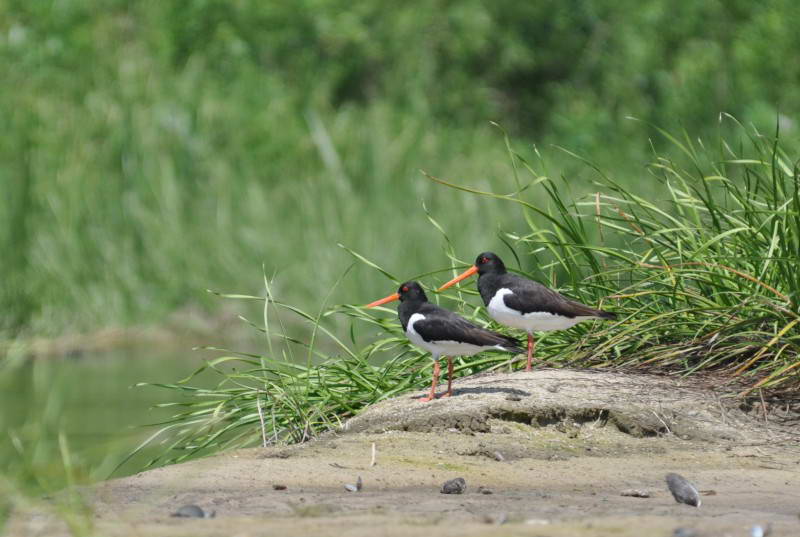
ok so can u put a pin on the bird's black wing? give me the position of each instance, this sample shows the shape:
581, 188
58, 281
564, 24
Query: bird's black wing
443, 325
528, 296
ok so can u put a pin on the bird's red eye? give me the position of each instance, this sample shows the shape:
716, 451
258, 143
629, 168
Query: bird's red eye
405, 289
484, 259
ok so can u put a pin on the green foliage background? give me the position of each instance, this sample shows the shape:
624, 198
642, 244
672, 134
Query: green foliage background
152, 149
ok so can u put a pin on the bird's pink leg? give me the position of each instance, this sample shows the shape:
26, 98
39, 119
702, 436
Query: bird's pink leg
436, 370
531, 347
449, 391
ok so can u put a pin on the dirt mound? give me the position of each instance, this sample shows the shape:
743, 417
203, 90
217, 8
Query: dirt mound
638, 405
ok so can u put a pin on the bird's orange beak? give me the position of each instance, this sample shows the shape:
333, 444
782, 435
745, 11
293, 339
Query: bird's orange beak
390, 298
463, 276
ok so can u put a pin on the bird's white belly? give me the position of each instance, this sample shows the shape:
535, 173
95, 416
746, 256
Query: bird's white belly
439, 348
536, 321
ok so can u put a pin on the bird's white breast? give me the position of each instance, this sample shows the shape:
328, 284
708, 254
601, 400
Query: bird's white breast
535, 321
441, 348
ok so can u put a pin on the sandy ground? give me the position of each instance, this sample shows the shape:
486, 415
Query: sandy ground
556, 448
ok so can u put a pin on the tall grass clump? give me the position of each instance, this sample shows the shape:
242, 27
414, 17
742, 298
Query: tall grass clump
704, 273
701, 269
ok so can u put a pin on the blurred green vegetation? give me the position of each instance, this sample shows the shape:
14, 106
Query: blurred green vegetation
153, 149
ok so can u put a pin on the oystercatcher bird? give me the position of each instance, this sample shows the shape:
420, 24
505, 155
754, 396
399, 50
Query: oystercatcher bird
522, 303
442, 332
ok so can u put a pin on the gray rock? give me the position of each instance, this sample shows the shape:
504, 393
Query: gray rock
193, 511
684, 532
454, 486
682, 490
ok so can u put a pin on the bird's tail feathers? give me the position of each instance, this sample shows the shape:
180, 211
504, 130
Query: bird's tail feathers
602, 314
513, 345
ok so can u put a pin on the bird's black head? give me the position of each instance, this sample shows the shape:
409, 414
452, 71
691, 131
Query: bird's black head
488, 262
412, 291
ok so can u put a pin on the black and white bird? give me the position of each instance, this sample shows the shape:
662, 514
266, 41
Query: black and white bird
522, 303
442, 332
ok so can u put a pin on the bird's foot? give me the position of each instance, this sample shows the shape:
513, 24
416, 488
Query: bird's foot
426, 399
446, 394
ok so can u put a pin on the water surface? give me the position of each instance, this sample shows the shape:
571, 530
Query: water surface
84, 411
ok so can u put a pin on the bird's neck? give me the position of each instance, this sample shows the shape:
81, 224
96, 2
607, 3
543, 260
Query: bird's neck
407, 309
488, 283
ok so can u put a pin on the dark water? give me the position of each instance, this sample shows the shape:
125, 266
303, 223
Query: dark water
81, 416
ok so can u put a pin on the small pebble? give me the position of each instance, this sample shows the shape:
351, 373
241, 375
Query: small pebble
484, 490
761, 531
537, 522
635, 493
513, 397
278, 487
684, 532
454, 486
192, 511
682, 490
498, 519
354, 488
498, 456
